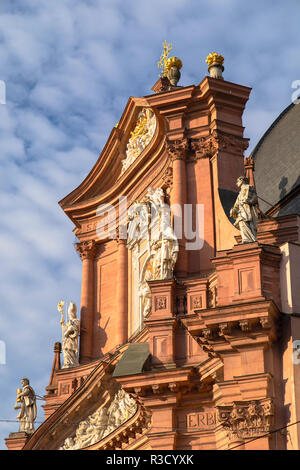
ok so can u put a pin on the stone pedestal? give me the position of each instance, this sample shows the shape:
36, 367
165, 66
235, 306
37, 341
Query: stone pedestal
17, 440
248, 272
161, 323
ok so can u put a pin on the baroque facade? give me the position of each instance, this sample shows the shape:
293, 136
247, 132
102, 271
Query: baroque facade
184, 343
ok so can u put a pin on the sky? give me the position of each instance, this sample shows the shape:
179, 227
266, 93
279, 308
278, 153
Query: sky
69, 68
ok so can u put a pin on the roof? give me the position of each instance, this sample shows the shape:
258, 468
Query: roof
277, 162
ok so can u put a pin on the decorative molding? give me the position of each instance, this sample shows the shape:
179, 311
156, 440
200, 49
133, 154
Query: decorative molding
168, 179
230, 143
246, 419
265, 322
225, 329
181, 304
208, 333
160, 303
206, 147
177, 149
245, 325
196, 302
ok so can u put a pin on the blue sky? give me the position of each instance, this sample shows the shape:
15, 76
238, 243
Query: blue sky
69, 68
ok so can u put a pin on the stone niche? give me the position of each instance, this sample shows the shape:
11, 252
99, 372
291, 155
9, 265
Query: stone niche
153, 249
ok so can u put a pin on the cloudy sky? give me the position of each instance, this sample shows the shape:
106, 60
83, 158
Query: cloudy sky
69, 67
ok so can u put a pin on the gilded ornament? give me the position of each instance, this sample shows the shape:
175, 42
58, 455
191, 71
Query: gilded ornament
164, 58
140, 137
214, 57
172, 62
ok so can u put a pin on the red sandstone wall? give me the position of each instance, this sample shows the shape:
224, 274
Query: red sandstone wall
105, 334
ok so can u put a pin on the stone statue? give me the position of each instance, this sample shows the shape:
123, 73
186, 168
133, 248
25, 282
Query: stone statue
245, 210
145, 295
165, 243
154, 247
70, 338
26, 402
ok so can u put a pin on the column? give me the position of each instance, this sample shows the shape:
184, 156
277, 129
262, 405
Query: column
178, 150
87, 251
122, 293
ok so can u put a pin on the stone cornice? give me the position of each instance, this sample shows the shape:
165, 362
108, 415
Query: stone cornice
223, 328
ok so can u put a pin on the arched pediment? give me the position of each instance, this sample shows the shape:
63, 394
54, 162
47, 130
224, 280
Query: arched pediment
129, 152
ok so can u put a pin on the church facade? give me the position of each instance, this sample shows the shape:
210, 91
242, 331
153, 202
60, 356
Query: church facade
188, 332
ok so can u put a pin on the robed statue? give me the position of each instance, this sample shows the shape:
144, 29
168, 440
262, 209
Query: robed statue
26, 402
245, 210
70, 331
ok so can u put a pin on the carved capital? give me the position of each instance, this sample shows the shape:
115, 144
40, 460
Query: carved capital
86, 250
177, 149
247, 419
229, 142
204, 147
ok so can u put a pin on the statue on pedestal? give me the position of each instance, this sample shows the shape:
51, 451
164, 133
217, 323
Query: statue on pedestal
70, 333
165, 243
26, 402
245, 210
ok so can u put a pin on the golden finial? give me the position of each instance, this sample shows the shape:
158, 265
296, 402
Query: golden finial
164, 57
215, 65
214, 57
172, 62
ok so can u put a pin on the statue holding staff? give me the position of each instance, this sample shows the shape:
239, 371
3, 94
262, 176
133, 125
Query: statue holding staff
70, 333
26, 402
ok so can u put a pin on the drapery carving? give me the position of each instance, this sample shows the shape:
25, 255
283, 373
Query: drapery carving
102, 422
153, 244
